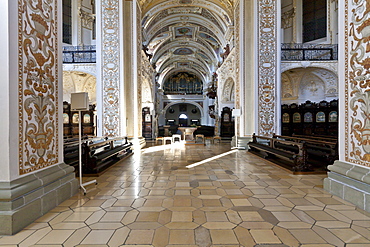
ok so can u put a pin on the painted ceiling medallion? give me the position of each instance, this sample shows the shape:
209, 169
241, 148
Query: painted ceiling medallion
184, 32
183, 51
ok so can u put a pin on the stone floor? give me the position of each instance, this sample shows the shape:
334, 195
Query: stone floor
152, 199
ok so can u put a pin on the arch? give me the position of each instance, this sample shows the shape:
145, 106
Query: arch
83, 68
224, 16
165, 75
228, 91
78, 81
310, 83
185, 102
330, 66
147, 93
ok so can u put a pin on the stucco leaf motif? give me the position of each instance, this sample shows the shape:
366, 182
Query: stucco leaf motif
38, 44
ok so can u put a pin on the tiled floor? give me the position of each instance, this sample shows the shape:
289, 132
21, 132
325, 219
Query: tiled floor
152, 199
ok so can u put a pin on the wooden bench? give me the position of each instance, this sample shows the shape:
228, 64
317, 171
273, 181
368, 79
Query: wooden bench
289, 154
320, 153
71, 151
317, 137
99, 155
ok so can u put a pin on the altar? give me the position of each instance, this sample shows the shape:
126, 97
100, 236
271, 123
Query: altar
187, 133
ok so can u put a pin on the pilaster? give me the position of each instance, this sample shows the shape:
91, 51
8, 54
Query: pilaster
268, 66
33, 178
109, 64
349, 177
132, 65
247, 70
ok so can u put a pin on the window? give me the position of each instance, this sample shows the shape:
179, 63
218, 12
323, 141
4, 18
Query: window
67, 22
314, 20
183, 116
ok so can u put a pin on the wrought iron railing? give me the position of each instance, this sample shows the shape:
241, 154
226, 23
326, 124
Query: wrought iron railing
310, 52
79, 54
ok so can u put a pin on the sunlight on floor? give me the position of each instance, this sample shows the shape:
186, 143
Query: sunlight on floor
210, 159
163, 147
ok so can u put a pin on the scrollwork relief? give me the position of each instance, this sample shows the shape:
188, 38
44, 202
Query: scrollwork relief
38, 84
110, 76
267, 66
357, 64
238, 21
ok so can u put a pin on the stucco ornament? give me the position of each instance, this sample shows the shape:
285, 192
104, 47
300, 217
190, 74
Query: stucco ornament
357, 64
38, 85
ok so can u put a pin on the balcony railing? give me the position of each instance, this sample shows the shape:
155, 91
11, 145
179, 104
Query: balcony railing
309, 52
79, 54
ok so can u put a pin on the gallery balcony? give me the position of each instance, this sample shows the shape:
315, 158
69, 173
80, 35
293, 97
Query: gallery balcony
309, 52
79, 54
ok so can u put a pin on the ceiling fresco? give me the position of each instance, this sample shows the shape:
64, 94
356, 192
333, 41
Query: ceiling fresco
186, 35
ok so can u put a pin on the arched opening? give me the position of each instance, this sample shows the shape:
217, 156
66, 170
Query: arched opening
309, 98
183, 120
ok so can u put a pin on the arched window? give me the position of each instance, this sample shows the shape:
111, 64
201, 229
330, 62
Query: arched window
183, 116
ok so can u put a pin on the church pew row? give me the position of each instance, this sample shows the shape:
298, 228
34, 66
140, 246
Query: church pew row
317, 137
321, 151
311, 155
289, 154
97, 153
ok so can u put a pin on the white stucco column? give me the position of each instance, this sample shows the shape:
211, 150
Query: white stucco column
33, 178
349, 177
109, 80
8, 104
247, 69
75, 22
132, 65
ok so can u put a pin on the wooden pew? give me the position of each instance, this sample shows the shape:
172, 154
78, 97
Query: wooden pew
101, 154
289, 154
71, 153
317, 137
320, 152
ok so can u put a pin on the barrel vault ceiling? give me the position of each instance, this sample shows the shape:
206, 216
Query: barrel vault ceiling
186, 35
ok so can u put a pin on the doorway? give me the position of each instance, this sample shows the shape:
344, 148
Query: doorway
183, 120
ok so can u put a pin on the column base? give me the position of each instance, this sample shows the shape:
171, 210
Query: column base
349, 182
25, 199
138, 143
242, 142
